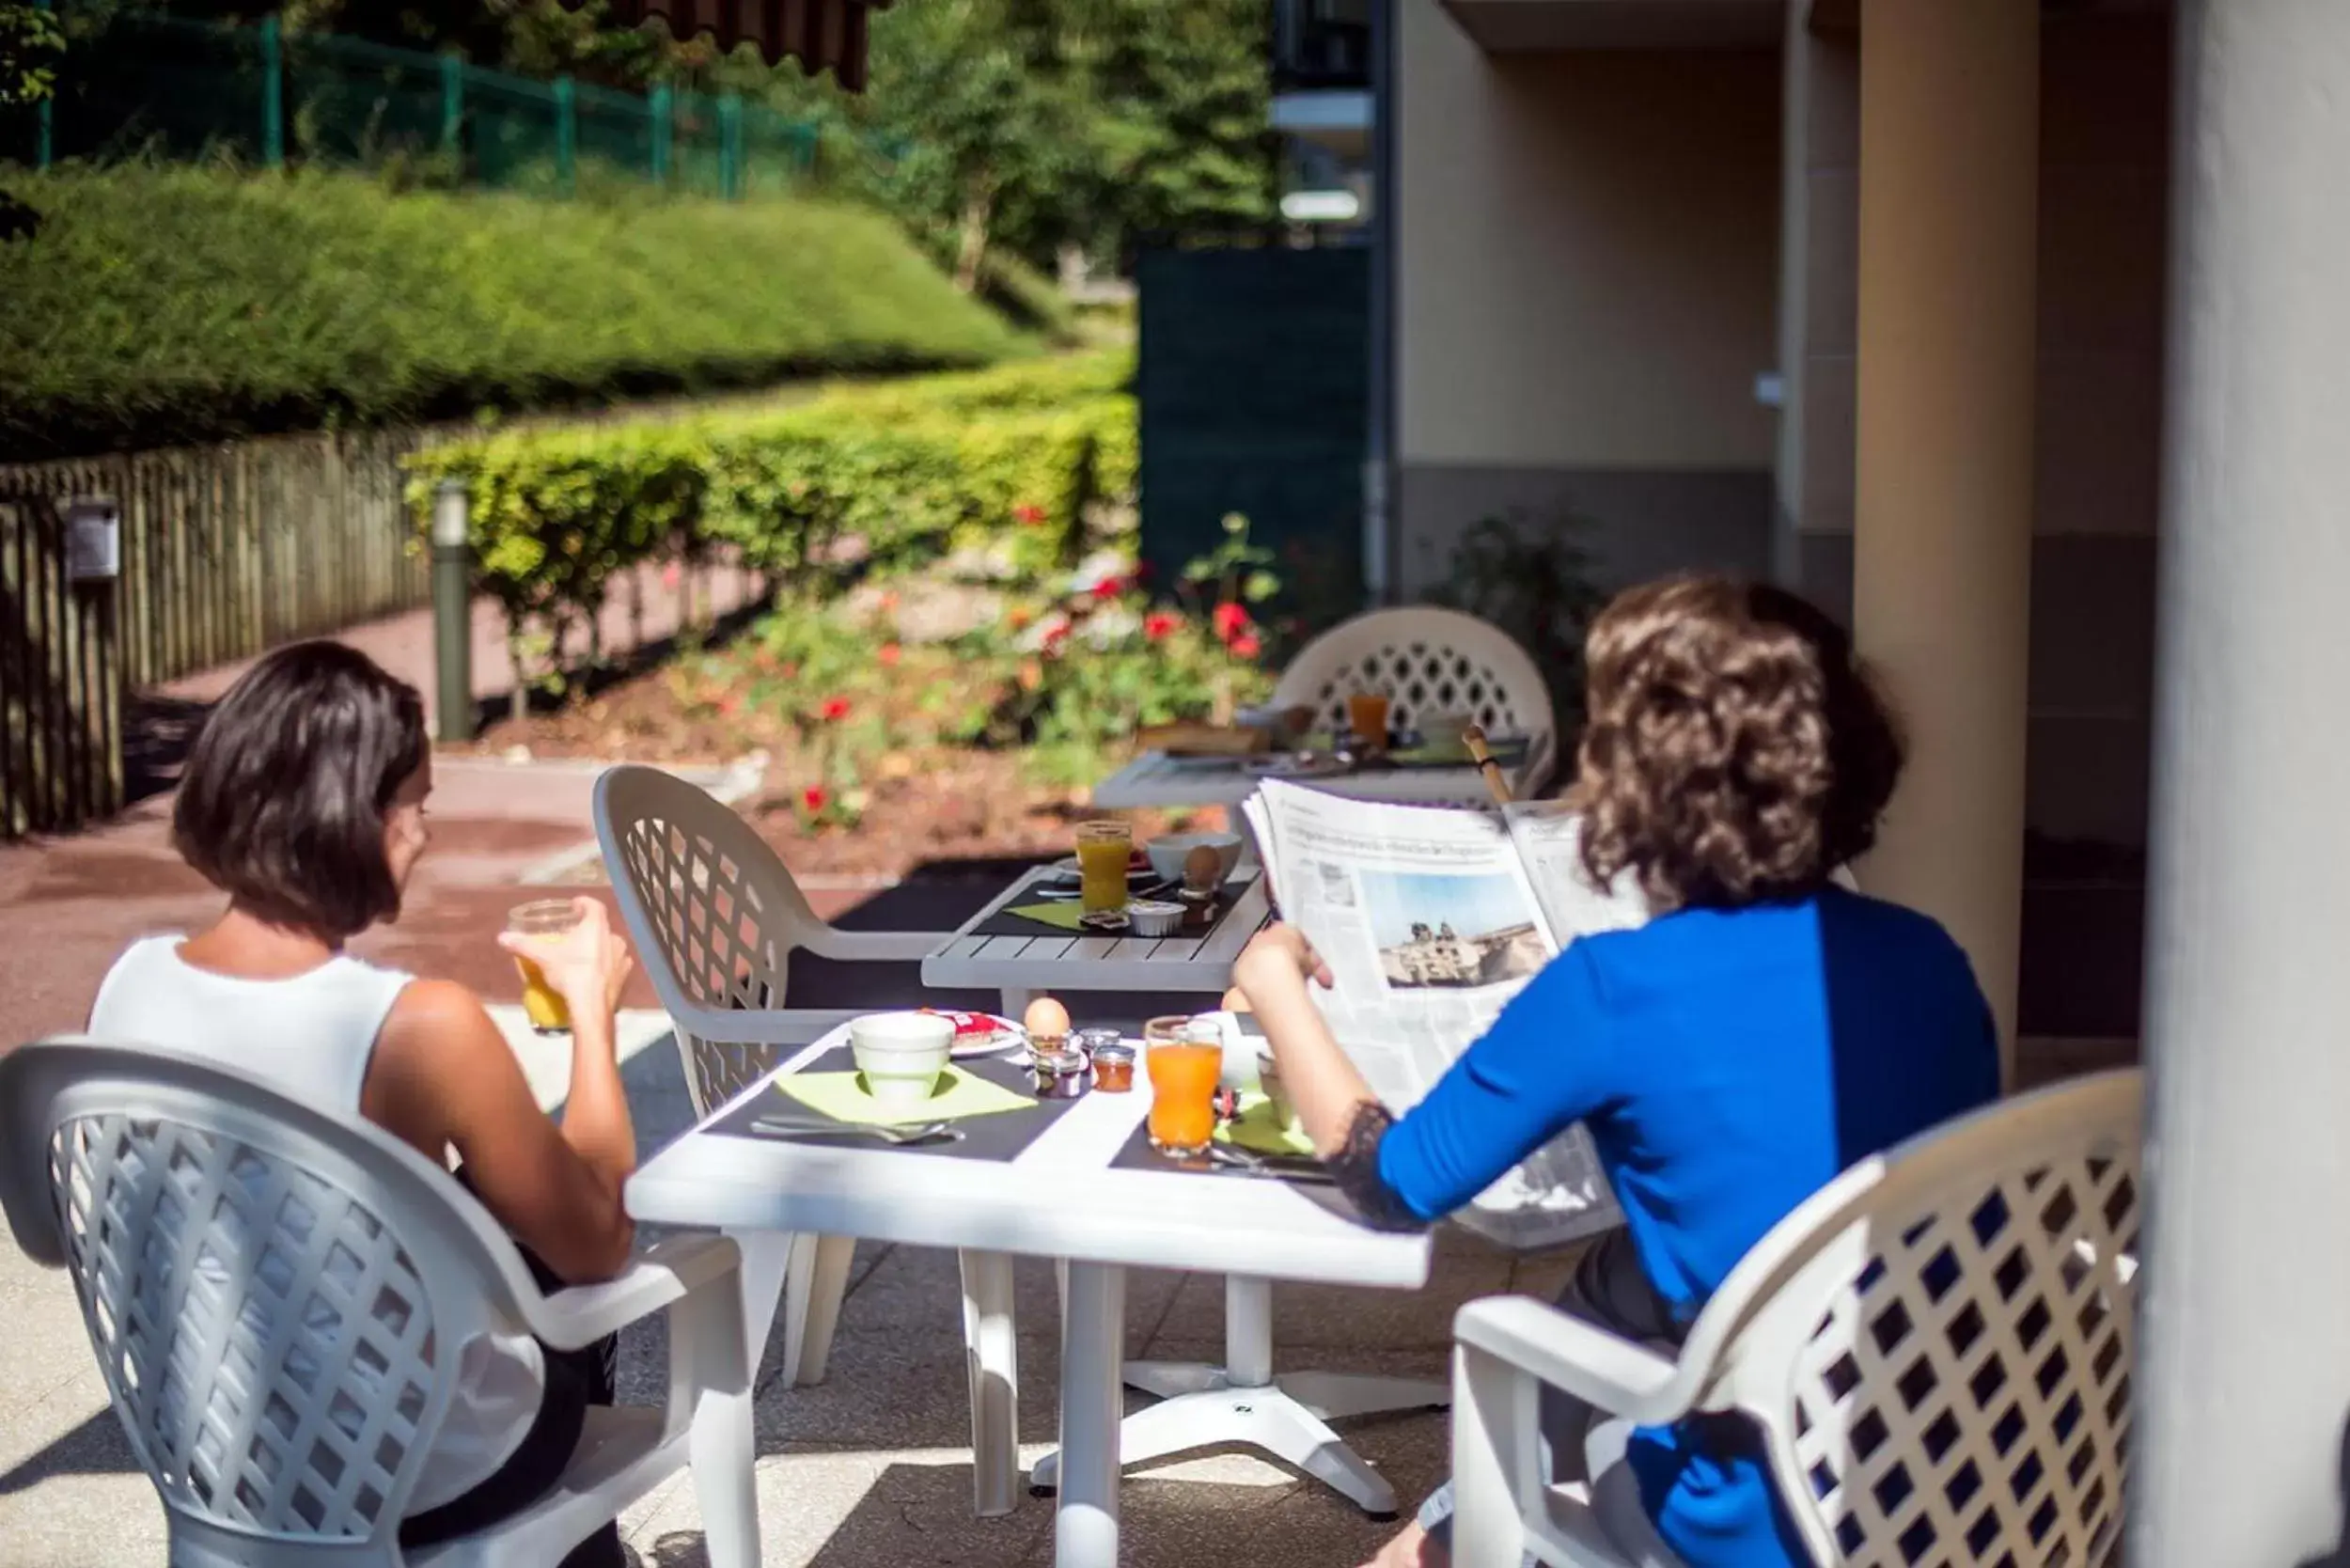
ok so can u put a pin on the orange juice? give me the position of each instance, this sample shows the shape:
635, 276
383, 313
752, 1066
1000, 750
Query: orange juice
1367, 712
1103, 851
549, 1013
1183, 1076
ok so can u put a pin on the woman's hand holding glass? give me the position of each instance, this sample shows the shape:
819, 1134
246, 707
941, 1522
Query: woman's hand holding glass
588, 963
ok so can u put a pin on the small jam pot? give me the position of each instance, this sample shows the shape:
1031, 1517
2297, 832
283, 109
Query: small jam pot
1060, 1073
1114, 1067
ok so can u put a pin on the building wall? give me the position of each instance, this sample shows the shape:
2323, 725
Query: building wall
1587, 254
2105, 168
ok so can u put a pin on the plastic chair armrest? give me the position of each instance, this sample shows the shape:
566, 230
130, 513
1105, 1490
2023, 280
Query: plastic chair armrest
666, 1273
877, 947
1615, 1374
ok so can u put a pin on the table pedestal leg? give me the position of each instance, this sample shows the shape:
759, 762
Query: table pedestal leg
1084, 1527
1244, 1402
991, 1351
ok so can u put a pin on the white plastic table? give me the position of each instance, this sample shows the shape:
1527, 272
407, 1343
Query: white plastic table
1155, 778
1243, 1401
1020, 966
1262, 1228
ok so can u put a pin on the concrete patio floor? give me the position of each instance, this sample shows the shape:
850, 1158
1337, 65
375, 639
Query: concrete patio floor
870, 1469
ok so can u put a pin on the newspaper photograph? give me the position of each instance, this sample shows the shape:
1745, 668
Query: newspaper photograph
1431, 920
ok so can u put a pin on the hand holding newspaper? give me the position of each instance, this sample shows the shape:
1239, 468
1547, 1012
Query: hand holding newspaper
1431, 920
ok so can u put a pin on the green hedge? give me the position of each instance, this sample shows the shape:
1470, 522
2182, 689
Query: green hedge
861, 480
161, 305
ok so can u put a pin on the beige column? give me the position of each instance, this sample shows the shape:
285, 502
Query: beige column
1950, 124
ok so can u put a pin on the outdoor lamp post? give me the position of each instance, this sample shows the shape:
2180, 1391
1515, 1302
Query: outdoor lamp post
453, 611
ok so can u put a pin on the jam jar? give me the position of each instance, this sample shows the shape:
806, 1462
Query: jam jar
1114, 1067
1059, 1070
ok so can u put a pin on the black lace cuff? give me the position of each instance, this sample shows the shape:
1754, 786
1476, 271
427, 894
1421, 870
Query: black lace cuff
1356, 1169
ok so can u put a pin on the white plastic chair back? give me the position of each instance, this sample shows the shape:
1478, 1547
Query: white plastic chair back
1427, 661
1938, 1344
713, 912
276, 1298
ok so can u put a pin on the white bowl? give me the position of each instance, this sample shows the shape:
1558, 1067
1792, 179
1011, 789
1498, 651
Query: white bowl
1168, 853
902, 1054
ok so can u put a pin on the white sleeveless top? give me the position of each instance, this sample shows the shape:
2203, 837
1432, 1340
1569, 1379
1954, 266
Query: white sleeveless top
312, 1036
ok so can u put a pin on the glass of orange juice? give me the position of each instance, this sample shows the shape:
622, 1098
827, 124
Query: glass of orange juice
549, 1013
1367, 711
1103, 851
1186, 1061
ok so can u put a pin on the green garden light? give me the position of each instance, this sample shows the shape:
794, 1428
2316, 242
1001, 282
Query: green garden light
452, 610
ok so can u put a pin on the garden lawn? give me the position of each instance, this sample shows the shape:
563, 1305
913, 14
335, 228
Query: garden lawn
166, 305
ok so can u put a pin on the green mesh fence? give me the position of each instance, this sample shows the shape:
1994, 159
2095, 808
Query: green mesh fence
161, 86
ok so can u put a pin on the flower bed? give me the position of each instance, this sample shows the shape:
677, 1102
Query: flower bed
957, 588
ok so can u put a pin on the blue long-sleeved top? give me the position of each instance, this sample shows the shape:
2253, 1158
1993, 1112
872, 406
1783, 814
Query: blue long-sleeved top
1728, 1063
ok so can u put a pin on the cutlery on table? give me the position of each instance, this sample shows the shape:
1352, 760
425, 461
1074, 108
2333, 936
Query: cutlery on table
928, 1132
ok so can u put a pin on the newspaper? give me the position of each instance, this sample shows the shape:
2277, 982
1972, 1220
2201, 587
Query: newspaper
1431, 920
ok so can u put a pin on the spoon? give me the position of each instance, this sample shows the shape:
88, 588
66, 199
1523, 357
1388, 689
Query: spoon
926, 1133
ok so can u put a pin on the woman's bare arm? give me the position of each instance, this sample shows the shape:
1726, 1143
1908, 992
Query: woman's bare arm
1272, 974
443, 1076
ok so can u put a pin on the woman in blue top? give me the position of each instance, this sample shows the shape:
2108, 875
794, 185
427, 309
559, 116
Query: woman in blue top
1765, 1030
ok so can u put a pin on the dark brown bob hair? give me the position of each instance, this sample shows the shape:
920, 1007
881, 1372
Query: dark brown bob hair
1736, 751
283, 802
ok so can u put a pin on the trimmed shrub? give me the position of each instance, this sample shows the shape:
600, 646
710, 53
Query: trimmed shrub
1005, 467
157, 306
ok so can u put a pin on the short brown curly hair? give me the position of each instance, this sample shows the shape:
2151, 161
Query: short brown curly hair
1736, 751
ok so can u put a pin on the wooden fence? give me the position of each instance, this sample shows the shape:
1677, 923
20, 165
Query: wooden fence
225, 551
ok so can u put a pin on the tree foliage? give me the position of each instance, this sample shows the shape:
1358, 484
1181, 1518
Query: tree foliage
1029, 125
30, 39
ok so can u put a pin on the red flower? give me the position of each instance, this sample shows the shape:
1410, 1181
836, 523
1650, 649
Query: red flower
813, 799
1159, 626
1028, 513
1230, 620
889, 654
730, 705
1109, 587
834, 709
1055, 634
1246, 646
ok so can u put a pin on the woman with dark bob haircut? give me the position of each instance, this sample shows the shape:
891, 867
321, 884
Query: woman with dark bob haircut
303, 802
1764, 1029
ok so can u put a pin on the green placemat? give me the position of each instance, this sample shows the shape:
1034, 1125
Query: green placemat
843, 1097
1069, 915
1435, 755
1256, 1128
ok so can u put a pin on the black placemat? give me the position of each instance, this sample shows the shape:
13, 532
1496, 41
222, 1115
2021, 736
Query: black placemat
1005, 923
1138, 1154
997, 1136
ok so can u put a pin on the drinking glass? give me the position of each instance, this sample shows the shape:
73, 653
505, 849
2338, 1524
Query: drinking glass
1367, 711
1184, 1073
548, 1011
1104, 849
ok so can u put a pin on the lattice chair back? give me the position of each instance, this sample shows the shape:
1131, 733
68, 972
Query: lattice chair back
1428, 660
278, 1298
713, 912
1938, 1344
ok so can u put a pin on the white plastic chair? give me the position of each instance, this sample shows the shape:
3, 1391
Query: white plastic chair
277, 1300
715, 915
1427, 660
1936, 1347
